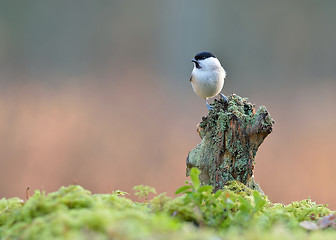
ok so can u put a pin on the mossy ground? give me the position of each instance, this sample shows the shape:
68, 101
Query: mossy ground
236, 212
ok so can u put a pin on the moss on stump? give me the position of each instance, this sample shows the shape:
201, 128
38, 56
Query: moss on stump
231, 135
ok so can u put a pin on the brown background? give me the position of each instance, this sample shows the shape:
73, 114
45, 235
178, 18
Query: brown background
97, 93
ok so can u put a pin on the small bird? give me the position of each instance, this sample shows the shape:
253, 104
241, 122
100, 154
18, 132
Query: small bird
207, 77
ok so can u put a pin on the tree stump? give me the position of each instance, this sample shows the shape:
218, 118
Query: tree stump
231, 135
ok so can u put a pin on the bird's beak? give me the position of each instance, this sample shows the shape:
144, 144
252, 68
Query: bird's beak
193, 60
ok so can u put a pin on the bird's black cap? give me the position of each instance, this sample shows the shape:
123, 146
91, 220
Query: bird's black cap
203, 55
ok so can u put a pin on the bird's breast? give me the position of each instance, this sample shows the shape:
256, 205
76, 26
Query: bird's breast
207, 84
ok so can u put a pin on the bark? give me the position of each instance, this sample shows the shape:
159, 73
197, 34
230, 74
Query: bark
231, 135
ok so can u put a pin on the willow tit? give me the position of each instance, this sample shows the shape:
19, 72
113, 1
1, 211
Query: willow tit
207, 77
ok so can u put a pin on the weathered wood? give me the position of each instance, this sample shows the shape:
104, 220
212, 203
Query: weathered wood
231, 135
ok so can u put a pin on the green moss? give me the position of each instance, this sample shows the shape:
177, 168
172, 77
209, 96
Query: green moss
231, 135
235, 212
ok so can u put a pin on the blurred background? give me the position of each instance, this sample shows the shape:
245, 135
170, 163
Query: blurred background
97, 93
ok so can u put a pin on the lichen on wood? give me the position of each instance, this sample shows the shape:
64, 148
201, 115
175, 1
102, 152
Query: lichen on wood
231, 135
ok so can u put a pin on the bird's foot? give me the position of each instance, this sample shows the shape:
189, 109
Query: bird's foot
226, 100
208, 105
